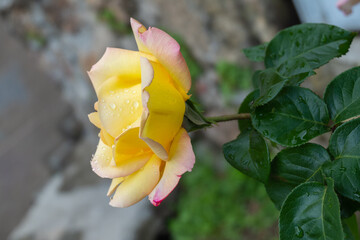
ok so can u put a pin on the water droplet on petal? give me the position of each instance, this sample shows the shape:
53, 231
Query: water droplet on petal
136, 104
127, 101
112, 105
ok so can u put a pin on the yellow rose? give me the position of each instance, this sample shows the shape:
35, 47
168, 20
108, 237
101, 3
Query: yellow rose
140, 109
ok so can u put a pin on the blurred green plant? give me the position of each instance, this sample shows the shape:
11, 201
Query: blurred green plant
224, 206
233, 78
115, 24
35, 37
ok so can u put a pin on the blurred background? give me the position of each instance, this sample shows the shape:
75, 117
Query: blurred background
47, 188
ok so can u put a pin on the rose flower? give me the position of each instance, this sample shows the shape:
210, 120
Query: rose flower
140, 108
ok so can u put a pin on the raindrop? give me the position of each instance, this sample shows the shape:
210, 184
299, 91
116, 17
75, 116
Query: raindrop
293, 141
112, 105
136, 104
342, 169
302, 134
126, 90
299, 233
323, 39
127, 101
265, 132
134, 92
357, 194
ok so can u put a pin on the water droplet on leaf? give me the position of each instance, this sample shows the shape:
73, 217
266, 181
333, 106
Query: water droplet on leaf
299, 233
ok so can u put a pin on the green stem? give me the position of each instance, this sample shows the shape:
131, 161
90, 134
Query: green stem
231, 117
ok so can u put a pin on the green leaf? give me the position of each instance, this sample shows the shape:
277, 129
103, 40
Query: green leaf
245, 107
343, 95
345, 169
314, 42
295, 71
293, 166
257, 53
270, 84
292, 118
347, 206
311, 212
351, 228
249, 154
256, 78
193, 118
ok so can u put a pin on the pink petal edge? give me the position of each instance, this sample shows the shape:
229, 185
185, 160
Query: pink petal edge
181, 160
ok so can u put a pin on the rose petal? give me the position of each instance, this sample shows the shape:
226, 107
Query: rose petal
130, 152
137, 185
95, 119
137, 29
167, 51
120, 105
164, 108
117, 62
346, 5
104, 165
181, 160
106, 137
114, 184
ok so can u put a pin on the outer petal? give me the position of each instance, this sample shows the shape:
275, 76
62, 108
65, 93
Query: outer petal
163, 106
130, 152
346, 5
166, 50
120, 105
137, 185
104, 165
95, 119
122, 63
114, 184
137, 29
106, 137
181, 159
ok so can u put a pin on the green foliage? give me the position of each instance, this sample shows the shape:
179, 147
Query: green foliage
225, 206
257, 53
249, 154
316, 43
193, 118
293, 166
311, 212
233, 77
292, 118
296, 51
108, 16
343, 95
345, 169
270, 84
350, 226
289, 115
245, 107
36, 37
